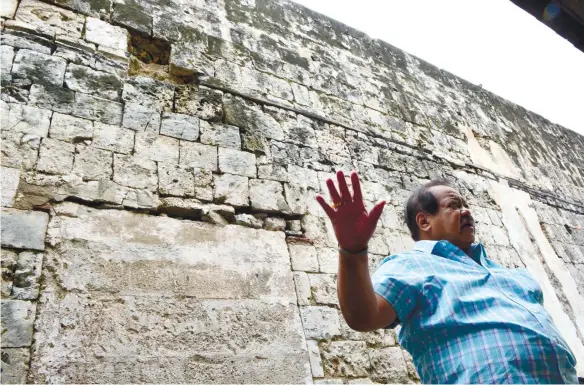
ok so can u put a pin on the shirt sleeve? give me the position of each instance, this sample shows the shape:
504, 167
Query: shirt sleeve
398, 283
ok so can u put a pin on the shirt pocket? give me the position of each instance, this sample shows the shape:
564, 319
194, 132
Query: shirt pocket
520, 282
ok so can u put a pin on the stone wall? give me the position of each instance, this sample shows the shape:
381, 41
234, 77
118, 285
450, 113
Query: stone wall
159, 165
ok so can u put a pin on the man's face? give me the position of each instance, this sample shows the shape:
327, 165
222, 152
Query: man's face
453, 221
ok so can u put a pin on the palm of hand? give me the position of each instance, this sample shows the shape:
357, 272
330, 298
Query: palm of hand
352, 224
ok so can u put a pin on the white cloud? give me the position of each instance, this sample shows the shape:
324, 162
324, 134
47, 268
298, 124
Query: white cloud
489, 42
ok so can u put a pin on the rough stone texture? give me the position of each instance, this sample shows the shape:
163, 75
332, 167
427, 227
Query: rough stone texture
221, 135
69, 128
320, 322
92, 163
224, 117
89, 81
303, 258
113, 138
17, 322
7, 10
141, 118
198, 155
10, 178
237, 319
24, 230
105, 34
231, 189
346, 359
237, 162
180, 126
56, 157
267, 196
27, 275
33, 67
14, 365
25, 120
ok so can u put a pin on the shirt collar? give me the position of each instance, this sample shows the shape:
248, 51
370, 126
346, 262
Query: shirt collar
447, 250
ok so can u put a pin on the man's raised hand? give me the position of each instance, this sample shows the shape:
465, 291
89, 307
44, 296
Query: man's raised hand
353, 225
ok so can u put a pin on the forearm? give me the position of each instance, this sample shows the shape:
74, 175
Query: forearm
357, 298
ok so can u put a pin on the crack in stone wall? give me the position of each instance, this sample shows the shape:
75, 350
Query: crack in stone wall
162, 157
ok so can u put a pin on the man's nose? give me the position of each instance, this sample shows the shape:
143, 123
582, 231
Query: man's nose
465, 212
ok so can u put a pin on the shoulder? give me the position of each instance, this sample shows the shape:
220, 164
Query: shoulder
412, 262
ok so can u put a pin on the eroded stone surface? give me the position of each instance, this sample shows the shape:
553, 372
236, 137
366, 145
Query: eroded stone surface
15, 363
17, 323
24, 229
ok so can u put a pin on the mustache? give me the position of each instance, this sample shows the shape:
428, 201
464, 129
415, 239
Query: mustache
468, 220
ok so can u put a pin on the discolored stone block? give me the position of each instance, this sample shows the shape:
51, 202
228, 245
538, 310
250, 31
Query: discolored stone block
70, 129
231, 189
89, 81
24, 229
17, 323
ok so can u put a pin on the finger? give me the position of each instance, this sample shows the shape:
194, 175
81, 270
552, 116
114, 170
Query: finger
333, 191
375, 213
345, 193
357, 194
325, 206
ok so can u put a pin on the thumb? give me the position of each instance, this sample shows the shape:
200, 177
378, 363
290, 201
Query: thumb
375, 213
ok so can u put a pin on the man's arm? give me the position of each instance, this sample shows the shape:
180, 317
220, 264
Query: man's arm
362, 308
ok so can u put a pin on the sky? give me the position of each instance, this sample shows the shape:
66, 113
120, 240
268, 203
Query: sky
493, 43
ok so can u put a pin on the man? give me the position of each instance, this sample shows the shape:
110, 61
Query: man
464, 318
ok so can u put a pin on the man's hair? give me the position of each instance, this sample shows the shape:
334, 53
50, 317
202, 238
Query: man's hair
422, 200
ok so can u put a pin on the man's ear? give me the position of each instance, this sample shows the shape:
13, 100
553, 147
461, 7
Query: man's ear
423, 221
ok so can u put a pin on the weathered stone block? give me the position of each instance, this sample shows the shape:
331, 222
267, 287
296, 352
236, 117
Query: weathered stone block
15, 363
320, 322
198, 155
203, 184
149, 93
27, 275
267, 195
6, 59
105, 34
302, 284
248, 116
8, 260
328, 260
141, 118
7, 9
92, 163
20, 150
94, 108
56, 157
70, 129
24, 229
174, 179
20, 39
10, 179
314, 357
17, 323
297, 198
89, 81
324, 288
248, 220
275, 224
33, 67
200, 101
210, 341
180, 126
303, 258
209, 261
231, 189
132, 16
25, 119
345, 359
237, 162
388, 366
136, 172
113, 138
221, 135
51, 97
150, 145
49, 19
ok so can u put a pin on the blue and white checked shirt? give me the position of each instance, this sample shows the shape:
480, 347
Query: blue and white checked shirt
465, 322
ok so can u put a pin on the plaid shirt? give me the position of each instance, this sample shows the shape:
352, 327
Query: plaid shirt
465, 322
